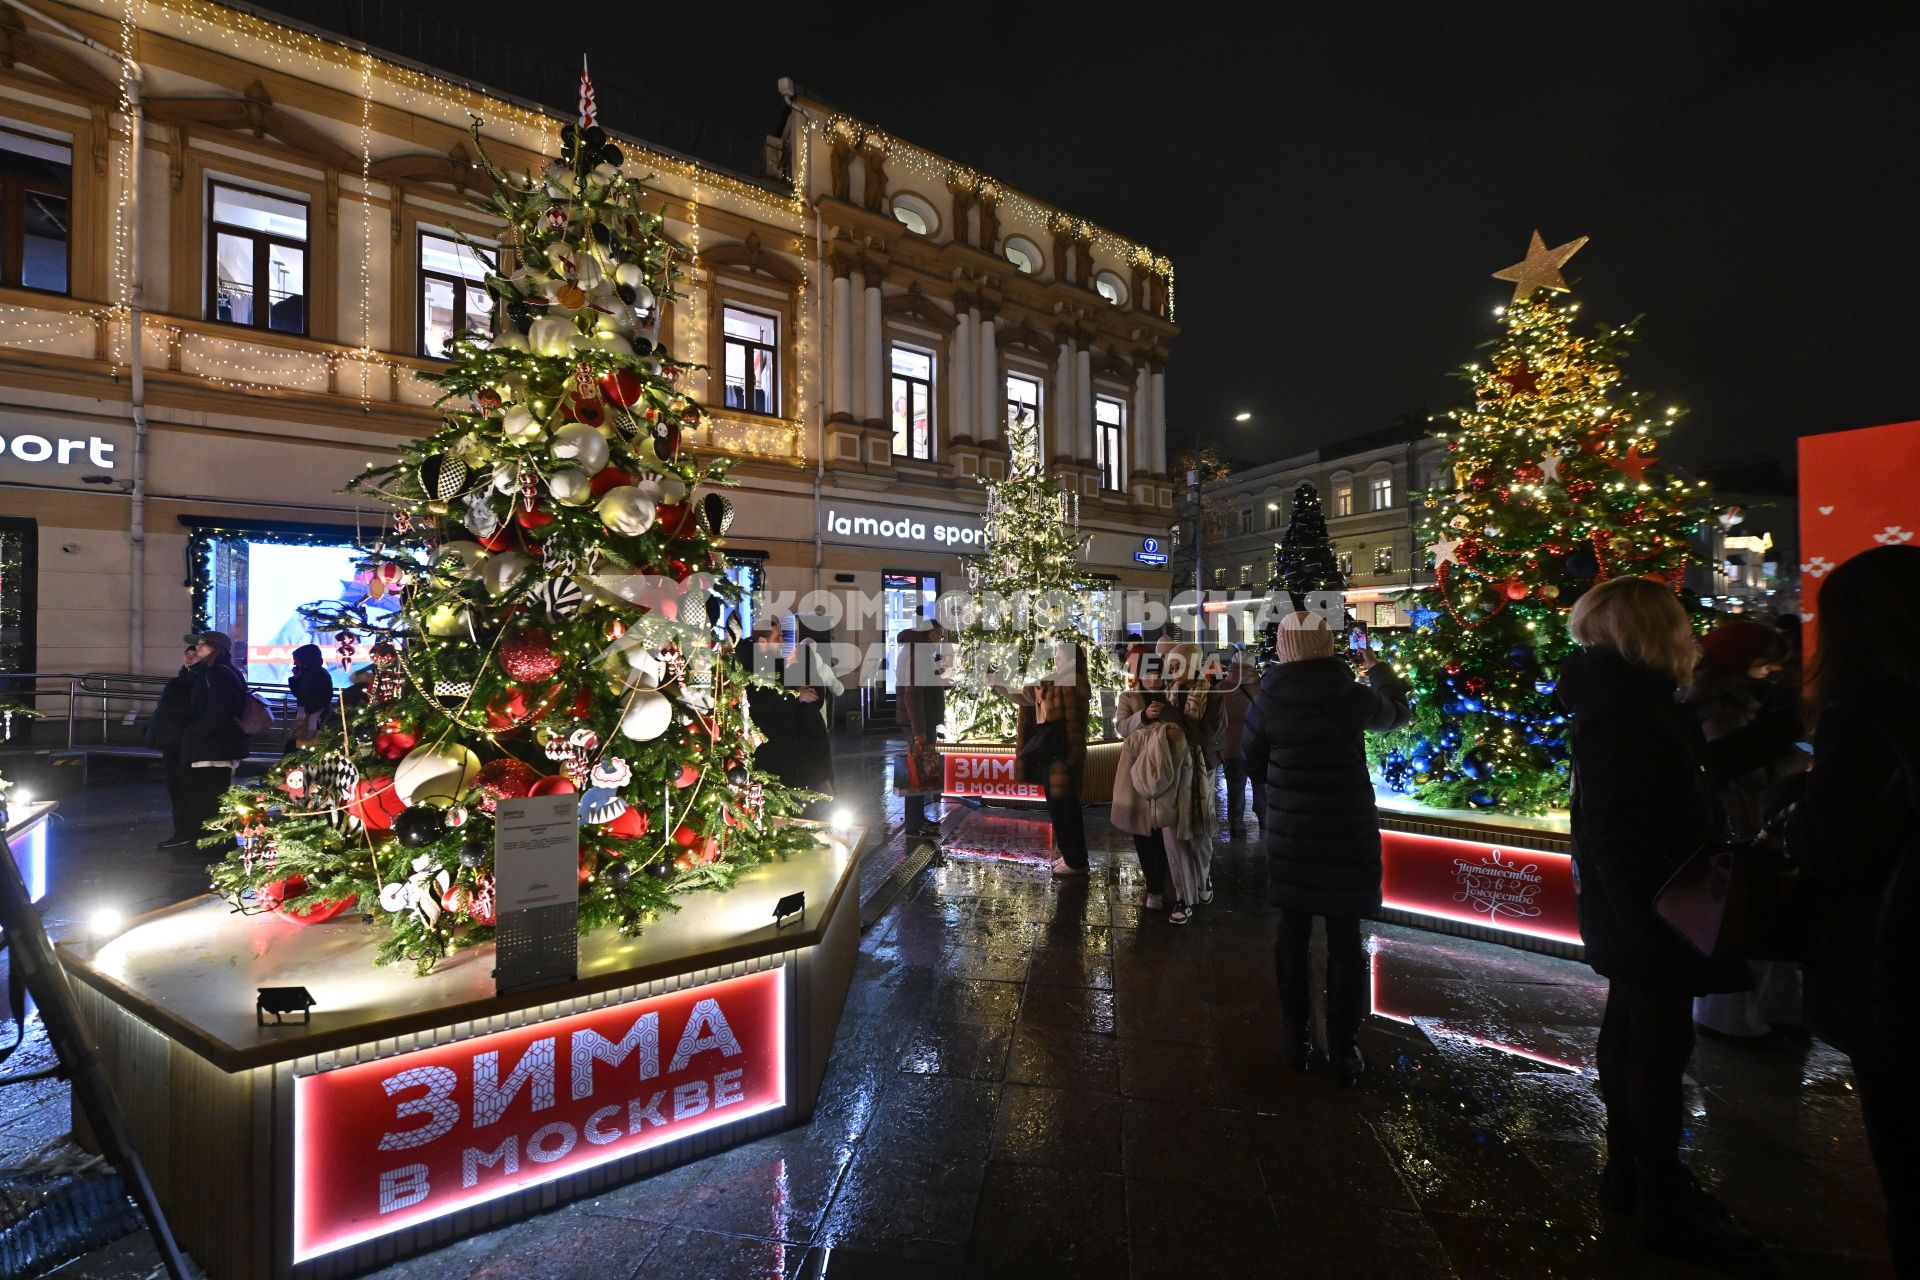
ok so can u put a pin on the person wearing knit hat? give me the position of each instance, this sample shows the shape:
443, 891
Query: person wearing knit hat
1305, 736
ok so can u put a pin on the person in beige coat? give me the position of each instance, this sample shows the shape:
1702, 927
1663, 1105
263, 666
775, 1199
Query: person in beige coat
1164, 720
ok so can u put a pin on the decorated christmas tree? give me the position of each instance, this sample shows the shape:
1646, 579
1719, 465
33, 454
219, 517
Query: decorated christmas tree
1024, 596
1305, 562
1554, 489
555, 550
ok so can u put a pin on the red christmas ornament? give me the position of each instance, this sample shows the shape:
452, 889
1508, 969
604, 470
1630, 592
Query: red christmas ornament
686, 837
675, 518
683, 862
392, 741
1579, 489
583, 703
622, 386
273, 897
1528, 473
375, 803
1515, 589
687, 776
1632, 517
1479, 480
1476, 685
1503, 494
607, 479
1453, 668
504, 779
586, 866
481, 909
709, 850
499, 540
553, 785
514, 709
527, 654
535, 519
1634, 465
630, 825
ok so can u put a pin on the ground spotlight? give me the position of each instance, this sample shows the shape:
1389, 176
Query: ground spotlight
104, 922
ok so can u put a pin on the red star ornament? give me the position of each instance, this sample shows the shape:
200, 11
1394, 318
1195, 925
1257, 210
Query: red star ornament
1633, 464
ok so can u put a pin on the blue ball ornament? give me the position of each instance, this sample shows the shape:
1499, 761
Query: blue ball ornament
1545, 687
1520, 657
1449, 738
1483, 800
1583, 564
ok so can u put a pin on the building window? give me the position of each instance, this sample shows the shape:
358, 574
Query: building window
1346, 564
1273, 515
1246, 575
1111, 287
912, 403
257, 259
1385, 616
1380, 489
1023, 254
1246, 519
752, 360
1383, 560
453, 291
915, 214
1343, 499
1110, 434
36, 198
1219, 577
1023, 401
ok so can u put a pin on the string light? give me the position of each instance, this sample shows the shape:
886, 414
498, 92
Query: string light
366, 222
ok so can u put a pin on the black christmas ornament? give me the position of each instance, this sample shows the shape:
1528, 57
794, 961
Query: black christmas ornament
662, 870
716, 514
610, 154
475, 853
617, 873
738, 776
419, 825
1583, 563
602, 234
442, 477
1520, 657
626, 294
520, 316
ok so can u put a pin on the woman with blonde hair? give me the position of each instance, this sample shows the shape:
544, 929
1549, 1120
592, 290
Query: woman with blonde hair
1643, 803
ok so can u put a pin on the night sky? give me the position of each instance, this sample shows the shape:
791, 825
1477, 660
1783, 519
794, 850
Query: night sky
1336, 182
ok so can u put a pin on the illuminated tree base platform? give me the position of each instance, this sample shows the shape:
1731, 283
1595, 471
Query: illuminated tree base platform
990, 772
1492, 876
411, 1111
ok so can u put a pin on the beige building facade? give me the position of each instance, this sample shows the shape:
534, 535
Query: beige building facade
291, 223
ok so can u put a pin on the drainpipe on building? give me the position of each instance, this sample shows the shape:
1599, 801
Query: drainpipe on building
136, 299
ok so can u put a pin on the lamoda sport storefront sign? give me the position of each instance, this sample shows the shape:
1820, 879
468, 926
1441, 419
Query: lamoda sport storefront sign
892, 527
384, 1145
67, 455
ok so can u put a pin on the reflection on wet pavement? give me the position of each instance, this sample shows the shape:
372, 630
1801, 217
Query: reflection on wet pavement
1038, 1078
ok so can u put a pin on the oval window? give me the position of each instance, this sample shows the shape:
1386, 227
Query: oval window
914, 213
1110, 287
1023, 254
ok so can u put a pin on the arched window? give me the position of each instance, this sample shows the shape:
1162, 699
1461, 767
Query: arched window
1342, 494
915, 214
1111, 287
1024, 254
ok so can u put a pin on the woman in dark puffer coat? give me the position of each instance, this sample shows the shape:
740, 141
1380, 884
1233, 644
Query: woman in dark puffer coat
1643, 803
1304, 738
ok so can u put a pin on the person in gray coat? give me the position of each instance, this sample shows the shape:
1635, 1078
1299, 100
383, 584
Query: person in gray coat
1305, 736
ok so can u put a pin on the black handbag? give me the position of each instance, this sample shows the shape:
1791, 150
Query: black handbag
1739, 901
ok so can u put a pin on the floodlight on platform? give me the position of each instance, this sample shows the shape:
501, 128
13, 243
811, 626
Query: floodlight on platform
104, 923
790, 910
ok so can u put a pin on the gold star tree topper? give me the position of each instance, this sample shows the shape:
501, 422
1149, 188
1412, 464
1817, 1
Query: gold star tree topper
1540, 269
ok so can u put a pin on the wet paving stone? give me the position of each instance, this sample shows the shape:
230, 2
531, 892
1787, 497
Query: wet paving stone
1206, 1146
1227, 1231
969, 1050
705, 1255
936, 1118
1362, 1243
1069, 1010
1058, 1128
1049, 1222
775, 1189
910, 1209
1064, 1060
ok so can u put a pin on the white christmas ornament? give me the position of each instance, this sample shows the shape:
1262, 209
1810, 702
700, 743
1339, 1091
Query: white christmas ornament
551, 336
630, 275
589, 276
509, 339
645, 667
603, 340
581, 445
468, 555
503, 570
572, 487
643, 299
447, 619
520, 426
647, 716
663, 488
440, 772
626, 510
612, 771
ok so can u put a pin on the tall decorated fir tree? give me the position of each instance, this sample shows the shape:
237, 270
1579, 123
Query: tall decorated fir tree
556, 552
1024, 595
1553, 489
1305, 562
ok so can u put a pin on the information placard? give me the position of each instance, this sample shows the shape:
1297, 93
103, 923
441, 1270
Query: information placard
536, 864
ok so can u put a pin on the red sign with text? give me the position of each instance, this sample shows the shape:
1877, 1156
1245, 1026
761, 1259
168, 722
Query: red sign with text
1522, 891
384, 1145
992, 774
1856, 493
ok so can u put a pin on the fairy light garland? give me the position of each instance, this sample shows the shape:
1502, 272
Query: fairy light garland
366, 223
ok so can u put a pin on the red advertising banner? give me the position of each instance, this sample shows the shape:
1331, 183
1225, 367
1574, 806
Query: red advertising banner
1520, 891
993, 774
383, 1145
1856, 493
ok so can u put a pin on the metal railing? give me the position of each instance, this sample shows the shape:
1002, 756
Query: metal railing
109, 711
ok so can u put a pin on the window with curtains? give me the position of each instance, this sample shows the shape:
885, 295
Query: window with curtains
1383, 560
1343, 498
1381, 490
1109, 443
912, 403
36, 201
256, 259
453, 290
752, 359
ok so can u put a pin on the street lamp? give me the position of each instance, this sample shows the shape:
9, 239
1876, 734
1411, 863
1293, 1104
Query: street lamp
1195, 483
1243, 417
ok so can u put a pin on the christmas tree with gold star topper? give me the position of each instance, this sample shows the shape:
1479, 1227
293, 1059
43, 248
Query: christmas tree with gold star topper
1554, 487
555, 550
1025, 594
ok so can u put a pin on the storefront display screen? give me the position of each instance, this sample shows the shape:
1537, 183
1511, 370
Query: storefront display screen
256, 585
